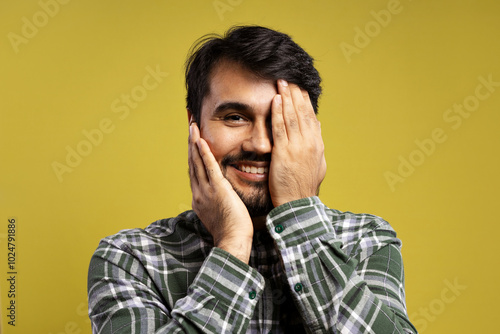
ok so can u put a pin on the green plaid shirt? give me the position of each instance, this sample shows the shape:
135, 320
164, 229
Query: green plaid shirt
313, 270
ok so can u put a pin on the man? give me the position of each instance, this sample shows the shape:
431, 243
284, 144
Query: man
259, 252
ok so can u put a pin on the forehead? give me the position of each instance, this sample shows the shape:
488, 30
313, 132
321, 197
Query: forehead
231, 82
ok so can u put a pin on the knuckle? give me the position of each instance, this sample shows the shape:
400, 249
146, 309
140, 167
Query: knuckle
301, 110
196, 201
321, 146
195, 169
279, 133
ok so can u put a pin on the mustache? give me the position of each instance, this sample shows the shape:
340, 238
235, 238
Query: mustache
245, 156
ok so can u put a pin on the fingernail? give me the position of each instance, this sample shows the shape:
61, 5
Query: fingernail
283, 82
190, 129
278, 99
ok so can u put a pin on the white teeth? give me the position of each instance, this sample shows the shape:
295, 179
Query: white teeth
254, 170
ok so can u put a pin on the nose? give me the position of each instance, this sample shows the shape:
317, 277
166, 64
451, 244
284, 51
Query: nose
259, 139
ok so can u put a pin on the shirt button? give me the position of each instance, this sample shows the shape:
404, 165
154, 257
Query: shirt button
298, 287
252, 294
279, 228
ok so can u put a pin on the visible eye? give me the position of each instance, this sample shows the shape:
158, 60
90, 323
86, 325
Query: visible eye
235, 118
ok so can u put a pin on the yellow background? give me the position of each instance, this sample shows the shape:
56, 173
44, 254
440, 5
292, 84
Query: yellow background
377, 102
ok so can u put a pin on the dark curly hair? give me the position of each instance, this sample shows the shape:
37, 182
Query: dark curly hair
267, 53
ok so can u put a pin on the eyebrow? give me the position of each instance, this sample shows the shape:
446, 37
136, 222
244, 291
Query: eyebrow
231, 105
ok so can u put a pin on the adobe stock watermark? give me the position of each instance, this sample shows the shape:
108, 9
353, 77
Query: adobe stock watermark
121, 107
453, 117
363, 36
31, 26
438, 305
223, 6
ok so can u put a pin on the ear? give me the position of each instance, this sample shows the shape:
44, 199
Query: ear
190, 116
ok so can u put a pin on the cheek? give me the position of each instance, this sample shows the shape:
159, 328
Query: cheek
222, 143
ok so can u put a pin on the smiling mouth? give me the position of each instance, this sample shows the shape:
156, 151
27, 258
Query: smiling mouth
263, 169
253, 169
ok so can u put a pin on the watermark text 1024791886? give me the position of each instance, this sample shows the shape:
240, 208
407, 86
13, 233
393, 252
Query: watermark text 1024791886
11, 272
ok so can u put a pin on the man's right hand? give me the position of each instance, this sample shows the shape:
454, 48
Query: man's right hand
215, 202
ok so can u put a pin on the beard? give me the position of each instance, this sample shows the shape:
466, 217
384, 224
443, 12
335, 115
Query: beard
259, 202
258, 199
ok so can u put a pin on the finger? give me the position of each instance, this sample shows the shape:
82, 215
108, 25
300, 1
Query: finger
196, 160
289, 112
191, 146
307, 117
212, 168
277, 122
299, 104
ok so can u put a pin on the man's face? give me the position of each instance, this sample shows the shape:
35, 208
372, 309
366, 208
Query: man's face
236, 123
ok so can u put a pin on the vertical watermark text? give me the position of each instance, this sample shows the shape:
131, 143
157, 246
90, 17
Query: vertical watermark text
12, 271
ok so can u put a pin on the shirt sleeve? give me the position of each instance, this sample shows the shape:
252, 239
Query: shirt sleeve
124, 299
339, 285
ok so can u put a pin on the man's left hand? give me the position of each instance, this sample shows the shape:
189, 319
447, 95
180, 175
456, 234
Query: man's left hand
298, 164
